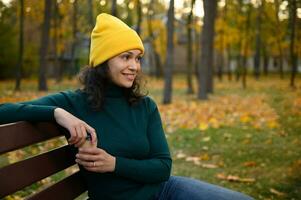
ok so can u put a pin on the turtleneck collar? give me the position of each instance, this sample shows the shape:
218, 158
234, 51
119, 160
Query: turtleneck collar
113, 90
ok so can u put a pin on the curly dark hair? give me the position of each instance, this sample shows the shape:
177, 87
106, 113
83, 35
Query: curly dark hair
96, 79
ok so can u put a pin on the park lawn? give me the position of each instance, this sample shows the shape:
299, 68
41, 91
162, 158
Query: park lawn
263, 160
246, 140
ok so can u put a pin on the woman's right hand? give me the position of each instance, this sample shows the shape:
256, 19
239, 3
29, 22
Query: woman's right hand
78, 129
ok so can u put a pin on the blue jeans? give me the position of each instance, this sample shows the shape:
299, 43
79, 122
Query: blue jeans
182, 188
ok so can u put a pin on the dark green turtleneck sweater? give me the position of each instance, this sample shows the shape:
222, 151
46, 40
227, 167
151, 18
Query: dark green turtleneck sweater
133, 134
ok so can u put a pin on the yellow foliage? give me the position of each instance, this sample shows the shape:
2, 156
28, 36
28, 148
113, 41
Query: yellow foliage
219, 111
205, 157
159, 32
296, 108
214, 123
13, 197
245, 119
203, 126
273, 124
160, 36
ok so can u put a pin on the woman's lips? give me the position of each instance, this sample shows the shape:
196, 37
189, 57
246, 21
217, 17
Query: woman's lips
130, 77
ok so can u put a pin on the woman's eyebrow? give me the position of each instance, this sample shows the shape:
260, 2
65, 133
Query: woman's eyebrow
131, 53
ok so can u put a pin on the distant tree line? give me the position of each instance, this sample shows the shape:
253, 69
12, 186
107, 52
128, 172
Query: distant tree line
57, 32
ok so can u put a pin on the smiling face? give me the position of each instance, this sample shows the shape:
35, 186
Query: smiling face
124, 68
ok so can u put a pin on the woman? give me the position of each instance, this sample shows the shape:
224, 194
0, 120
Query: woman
129, 156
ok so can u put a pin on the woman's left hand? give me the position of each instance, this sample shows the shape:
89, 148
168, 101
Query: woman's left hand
95, 160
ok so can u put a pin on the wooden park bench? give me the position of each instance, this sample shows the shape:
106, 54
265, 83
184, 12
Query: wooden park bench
16, 176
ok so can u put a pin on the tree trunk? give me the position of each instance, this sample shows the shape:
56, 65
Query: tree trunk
258, 40
239, 56
207, 38
91, 21
197, 54
139, 17
246, 45
278, 39
158, 66
220, 64
58, 74
221, 53
114, 8
44, 46
91, 13
74, 40
170, 55
21, 47
229, 62
189, 50
292, 53
265, 61
129, 19
238, 69
228, 48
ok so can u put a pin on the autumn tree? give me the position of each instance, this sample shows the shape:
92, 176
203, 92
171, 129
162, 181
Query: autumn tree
292, 28
74, 37
152, 37
278, 37
189, 26
205, 72
56, 26
228, 44
44, 45
239, 25
21, 46
90, 13
90, 18
170, 55
222, 41
139, 16
258, 45
246, 43
114, 8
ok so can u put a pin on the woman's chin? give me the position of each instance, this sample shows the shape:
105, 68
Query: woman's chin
126, 84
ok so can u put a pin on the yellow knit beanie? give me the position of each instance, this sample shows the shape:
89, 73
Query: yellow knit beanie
111, 37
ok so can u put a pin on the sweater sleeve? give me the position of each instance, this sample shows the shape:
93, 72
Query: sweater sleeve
157, 167
41, 109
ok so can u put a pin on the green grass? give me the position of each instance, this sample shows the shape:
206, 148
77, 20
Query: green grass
276, 152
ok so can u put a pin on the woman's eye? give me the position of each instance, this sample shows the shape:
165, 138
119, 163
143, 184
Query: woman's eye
138, 59
125, 57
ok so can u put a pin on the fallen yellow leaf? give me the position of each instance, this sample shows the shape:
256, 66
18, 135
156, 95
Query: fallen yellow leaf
234, 178
250, 164
203, 126
274, 191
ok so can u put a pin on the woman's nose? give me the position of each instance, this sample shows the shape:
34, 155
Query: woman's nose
133, 65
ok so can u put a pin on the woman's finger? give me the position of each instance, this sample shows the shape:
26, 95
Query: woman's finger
92, 132
79, 134
73, 135
97, 166
83, 136
85, 163
87, 157
95, 151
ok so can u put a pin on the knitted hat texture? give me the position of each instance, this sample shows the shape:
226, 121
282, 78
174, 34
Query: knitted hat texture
111, 37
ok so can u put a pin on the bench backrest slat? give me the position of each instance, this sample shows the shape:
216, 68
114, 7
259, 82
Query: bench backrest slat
21, 134
73, 184
21, 174
16, 176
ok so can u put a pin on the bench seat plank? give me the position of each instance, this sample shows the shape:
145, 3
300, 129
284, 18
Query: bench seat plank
69, 188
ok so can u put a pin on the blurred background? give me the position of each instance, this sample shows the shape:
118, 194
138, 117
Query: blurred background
225, 75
